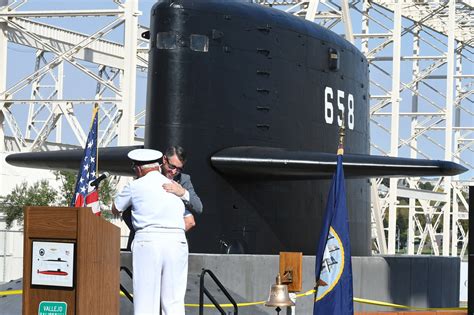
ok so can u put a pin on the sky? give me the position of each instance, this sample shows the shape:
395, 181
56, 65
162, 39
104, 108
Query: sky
77, 85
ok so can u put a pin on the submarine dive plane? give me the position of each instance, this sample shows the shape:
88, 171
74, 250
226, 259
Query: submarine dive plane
256, 96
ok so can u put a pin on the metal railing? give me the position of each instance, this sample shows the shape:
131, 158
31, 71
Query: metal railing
122, 288
203, 290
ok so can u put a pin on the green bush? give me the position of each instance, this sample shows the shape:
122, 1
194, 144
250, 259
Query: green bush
42, 194
38, 194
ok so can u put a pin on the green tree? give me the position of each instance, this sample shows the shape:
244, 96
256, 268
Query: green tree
426, 186
42, 194
38, 194
106, 195
68, 183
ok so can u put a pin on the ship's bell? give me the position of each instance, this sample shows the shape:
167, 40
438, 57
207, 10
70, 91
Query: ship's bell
279, 296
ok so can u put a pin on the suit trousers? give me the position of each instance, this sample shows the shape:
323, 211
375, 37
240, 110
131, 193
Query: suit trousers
160, 271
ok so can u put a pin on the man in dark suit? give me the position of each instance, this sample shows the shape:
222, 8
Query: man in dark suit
181, 185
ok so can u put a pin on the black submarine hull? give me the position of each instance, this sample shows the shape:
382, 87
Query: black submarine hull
265, 79
257, 98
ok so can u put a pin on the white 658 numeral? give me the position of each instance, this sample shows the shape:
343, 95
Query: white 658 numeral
329, 107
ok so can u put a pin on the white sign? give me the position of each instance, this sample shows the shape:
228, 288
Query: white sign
52, 264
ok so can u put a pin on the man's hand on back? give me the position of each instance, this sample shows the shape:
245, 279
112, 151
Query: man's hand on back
174, 188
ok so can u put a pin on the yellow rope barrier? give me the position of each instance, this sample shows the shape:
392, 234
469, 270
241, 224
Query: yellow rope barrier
307, 293
11, 292
227, 305
379, 303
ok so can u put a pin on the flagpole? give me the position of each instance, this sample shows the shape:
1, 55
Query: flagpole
340, 151
95, 111
333, 268
342, 134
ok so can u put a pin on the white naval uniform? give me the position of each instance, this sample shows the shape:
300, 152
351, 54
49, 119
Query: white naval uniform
160, 249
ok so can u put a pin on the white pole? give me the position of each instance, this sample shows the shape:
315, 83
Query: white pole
126, 133
448, 153
3, 70
397, 35
414, 141
346, 18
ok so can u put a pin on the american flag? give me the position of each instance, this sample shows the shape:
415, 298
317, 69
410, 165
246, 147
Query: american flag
86, 195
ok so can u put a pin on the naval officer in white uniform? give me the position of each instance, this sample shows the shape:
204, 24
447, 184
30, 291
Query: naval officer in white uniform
160, 249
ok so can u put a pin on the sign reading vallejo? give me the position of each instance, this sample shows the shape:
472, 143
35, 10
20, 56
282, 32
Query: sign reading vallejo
52, 308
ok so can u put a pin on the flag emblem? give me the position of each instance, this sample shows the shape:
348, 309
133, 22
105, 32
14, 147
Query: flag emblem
332, 266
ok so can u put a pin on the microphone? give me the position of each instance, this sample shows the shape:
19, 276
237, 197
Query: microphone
95, 183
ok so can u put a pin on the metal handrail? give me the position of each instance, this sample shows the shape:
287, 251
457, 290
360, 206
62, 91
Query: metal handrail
122, 288
203, 290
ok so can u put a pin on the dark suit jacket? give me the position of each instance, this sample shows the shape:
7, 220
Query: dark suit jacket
194, 205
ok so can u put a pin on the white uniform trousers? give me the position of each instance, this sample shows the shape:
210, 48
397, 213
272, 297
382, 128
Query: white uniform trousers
160, 271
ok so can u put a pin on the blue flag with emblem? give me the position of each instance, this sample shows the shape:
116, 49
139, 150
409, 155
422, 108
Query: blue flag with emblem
333, 291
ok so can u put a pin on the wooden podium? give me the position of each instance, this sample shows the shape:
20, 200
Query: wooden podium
71, 262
